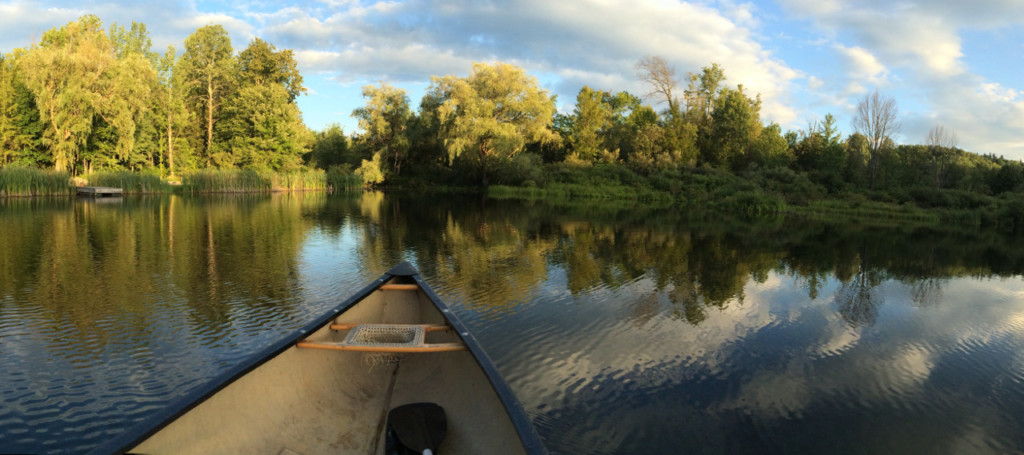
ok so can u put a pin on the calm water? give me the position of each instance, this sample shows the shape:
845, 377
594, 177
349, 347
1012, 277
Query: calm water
621, 330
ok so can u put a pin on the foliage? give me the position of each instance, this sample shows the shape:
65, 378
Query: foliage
369, 171
384, 121
209, 71
492, 113
341, 178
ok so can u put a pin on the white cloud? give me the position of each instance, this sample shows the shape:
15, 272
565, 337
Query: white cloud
914, 48
592, 43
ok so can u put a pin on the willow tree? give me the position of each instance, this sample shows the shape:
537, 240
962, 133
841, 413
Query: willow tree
78, 81
384, 121
493, 113
208, 68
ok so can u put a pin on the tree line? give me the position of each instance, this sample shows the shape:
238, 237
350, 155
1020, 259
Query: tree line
85, 98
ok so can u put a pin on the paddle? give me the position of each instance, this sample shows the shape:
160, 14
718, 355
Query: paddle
419, 426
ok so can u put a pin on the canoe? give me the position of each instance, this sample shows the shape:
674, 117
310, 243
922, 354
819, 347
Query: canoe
330, 387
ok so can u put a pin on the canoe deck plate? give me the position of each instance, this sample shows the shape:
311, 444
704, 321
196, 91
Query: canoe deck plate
386, 338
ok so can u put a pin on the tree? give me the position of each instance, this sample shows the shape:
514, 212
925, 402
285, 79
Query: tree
208, 69
857, 155
172, 107
734, 125
703, 91
493, 113
661, 78
770, 149
78, 82
262, 130
20, 128
133, 41
591, 117
261, 64
941, 144
876, 119
384, 121
330, 148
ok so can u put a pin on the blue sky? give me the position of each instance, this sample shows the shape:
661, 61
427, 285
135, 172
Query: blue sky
946, 62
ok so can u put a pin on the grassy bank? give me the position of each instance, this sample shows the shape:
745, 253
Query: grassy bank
770, 193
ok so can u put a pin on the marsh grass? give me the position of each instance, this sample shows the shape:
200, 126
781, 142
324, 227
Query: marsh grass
249, 181
130, 182
341, 178
308, 180
24, 181
225, 181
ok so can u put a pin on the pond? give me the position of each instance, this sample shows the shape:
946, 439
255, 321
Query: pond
621, 329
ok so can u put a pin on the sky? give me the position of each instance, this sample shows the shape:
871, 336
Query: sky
952, 63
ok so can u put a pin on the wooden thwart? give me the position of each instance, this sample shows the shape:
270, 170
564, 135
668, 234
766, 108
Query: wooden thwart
400, 287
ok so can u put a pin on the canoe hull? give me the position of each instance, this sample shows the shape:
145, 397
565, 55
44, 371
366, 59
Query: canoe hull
306, 401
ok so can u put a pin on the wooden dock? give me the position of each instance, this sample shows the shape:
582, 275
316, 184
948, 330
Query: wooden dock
98, 191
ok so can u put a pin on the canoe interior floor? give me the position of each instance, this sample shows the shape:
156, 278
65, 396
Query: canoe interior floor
312, 401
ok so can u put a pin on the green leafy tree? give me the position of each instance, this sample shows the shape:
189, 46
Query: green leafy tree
262, 130
20, 128
170, 105
370, 171
208, 71
590, 119
770, 149
493, 113
262, 64
77, 81
330, 148
702, 92
734, 126
132, 41
385, 123
858, 153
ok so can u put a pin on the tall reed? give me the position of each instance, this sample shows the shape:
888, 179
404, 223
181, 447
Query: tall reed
26, 181
130, 182
225, 181
305, 180
341, 178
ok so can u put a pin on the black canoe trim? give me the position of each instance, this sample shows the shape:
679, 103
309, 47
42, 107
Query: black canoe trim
134, 436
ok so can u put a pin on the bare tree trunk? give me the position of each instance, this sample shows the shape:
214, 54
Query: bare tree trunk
209, 126
876, 120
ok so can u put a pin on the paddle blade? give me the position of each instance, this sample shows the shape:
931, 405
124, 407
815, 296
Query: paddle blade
419, 426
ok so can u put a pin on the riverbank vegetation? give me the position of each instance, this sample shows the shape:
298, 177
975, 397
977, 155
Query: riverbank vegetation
89, 101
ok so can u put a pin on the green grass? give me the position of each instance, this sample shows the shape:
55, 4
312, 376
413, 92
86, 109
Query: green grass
24, 181
866, 210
